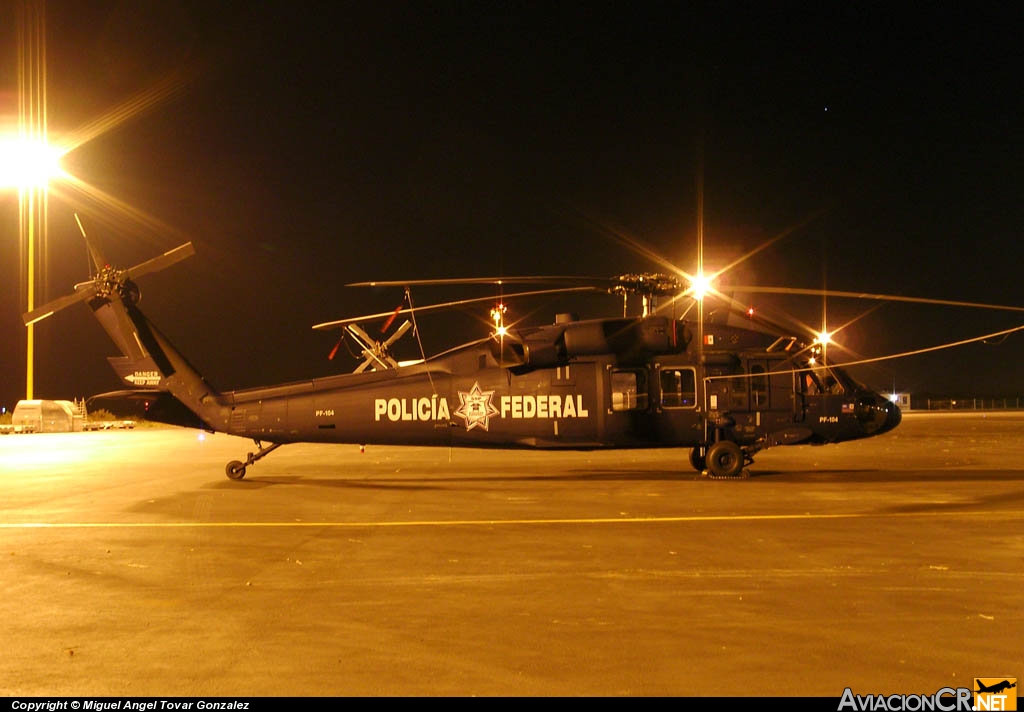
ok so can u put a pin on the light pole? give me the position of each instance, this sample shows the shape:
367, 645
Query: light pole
27, 161
27, 165
31, 207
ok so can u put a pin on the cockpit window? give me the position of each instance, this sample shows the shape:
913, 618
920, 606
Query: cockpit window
849, 382
822, 381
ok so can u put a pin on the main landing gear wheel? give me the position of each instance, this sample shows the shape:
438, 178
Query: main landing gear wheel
235, 470
725, 459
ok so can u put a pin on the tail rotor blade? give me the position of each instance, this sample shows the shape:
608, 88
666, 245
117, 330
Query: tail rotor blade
98, 260
163, 261
84, 292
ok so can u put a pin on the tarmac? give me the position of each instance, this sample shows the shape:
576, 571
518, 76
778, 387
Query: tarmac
131, 566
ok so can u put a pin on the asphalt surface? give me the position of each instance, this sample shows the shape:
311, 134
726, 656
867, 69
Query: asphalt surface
131, 566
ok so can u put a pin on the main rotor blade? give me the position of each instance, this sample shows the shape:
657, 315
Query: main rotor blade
930, 349
399, 333
447, 305
85, 291
647, 284
878, 297
163, 261
597, 282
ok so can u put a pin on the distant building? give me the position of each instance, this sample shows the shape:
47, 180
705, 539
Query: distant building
48, 416
901, 399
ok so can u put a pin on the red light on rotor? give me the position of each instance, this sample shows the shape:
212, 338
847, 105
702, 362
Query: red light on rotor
391, 319
334, 351
750, 312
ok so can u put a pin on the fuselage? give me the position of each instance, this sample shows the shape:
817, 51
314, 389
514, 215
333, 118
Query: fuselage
615, 383
471, 397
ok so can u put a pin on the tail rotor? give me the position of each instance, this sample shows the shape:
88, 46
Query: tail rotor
109, 281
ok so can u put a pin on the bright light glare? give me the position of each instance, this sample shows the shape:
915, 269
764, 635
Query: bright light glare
498, 317
28, 164
700, 286
824, 338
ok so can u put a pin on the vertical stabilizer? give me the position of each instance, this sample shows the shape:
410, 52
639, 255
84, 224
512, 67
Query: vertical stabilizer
150, 361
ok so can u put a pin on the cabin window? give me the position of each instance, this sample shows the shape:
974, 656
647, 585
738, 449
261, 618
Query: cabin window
629, 390
678, 388
738, 390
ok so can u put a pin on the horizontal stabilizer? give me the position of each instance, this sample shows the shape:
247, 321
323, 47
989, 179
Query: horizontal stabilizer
147, 404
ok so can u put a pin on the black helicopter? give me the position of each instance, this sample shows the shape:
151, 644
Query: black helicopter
721, 391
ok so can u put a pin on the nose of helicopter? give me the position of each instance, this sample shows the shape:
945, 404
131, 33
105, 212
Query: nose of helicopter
893, 415
877, 414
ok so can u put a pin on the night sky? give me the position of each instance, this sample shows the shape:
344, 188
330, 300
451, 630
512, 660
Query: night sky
304, 146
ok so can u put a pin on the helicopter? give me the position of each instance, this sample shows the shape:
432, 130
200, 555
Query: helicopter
654, 380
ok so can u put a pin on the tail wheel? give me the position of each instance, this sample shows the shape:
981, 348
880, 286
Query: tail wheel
725, 459
235, 470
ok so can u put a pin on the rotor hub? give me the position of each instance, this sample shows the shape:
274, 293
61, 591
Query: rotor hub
109, 281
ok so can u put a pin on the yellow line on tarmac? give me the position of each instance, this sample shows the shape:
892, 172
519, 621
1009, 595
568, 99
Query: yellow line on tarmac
506, 522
